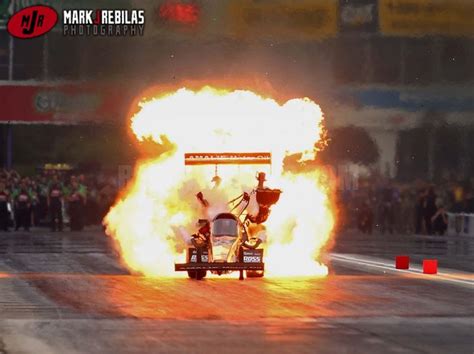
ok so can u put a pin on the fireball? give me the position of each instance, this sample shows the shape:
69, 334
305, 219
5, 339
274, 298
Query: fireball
157, 212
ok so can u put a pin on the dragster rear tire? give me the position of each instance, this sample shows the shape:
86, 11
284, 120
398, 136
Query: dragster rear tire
197, 274
255, 273
201, 274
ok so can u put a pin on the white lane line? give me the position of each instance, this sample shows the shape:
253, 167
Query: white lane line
413, 268
441, 276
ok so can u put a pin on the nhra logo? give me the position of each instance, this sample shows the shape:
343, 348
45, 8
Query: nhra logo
32, 21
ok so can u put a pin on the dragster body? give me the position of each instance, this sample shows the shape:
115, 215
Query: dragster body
224, 244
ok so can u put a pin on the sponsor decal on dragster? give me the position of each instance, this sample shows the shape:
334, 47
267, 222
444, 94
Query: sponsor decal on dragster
252, 259
193, 257
252, 256
32, 21
204, 258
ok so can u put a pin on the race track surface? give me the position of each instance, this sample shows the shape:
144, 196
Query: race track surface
67, 293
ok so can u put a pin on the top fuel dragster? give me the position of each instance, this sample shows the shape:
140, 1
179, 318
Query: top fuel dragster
224, 244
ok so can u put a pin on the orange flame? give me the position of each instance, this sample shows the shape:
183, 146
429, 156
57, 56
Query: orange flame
157, 213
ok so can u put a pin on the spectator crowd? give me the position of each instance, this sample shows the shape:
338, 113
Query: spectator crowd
405, 208
54, 198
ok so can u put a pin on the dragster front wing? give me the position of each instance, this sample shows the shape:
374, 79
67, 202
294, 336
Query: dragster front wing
218, 266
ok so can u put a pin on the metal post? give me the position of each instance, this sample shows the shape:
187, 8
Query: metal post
431, 151
10, 58
403, 67
437, 50
2, 147
45, 58
9, 146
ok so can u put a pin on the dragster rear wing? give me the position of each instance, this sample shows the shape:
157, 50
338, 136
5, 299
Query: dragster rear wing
227, 158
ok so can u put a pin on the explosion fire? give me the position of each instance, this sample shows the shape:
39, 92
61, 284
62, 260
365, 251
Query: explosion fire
157, 212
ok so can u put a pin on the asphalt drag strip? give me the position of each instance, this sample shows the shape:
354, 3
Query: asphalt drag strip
69, 293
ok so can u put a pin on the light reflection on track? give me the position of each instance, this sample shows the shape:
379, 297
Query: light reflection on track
253, 299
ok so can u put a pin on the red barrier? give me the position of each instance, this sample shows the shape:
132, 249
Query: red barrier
402, 262
430, 266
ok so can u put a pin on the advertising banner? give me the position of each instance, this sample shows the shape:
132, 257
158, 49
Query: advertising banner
358, 16
425, 17
63, 103
283, 20
410, 99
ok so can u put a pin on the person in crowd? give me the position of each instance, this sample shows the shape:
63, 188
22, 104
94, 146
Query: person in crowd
342, 211
420, 207
439, 221
35, 203
4, 212
43, 195
365, 218
82, 184
386, 209
468, 203
55, 206
76, 207
458, 196
95, 190
92, 206
397, 208
106, 197
429, 209
407, 213
22, 209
